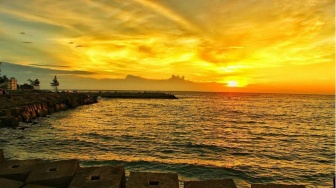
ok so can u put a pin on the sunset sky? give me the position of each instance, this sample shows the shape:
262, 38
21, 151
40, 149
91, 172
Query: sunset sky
233, 45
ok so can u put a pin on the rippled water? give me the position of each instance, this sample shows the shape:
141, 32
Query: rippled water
252, 138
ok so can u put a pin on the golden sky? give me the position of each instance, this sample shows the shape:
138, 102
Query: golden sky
250, 45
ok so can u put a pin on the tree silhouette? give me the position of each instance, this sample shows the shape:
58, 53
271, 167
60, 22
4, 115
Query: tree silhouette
35, 83
31, 82
54, 84
26, 86
4, 82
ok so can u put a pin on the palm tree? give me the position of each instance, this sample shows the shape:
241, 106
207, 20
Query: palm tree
35, 83
31, 82
54, 84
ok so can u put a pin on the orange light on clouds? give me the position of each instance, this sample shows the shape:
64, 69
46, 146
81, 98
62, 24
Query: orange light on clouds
243, 44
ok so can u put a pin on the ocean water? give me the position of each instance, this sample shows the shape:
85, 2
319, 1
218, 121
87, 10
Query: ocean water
252, 138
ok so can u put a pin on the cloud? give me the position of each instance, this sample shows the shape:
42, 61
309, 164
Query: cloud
39, 69
169, 14
204, 40
50, 66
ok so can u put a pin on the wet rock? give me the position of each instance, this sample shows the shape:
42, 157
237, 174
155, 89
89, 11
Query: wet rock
27, 107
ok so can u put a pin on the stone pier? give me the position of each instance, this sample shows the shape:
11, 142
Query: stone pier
27, 107
135, 95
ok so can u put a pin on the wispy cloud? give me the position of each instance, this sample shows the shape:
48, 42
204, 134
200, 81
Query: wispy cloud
50, 66
42, 69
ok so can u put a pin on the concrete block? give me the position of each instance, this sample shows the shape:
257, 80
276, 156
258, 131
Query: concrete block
103, 177
2, 157
17, 169
150, 180
276, 186
54, 174
7, 183
223, 183
37, 186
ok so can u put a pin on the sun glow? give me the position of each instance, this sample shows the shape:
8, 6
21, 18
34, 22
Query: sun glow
232, 83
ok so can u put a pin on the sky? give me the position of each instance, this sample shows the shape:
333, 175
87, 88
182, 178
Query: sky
278, 46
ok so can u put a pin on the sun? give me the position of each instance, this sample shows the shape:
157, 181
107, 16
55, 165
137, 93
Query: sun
232, 83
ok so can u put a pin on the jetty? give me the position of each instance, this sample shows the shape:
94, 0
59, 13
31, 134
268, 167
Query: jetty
37, 173
134, 95
26, 107
17, 108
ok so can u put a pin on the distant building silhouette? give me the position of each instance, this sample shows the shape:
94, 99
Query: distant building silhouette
6, 83
12, 84
177, 77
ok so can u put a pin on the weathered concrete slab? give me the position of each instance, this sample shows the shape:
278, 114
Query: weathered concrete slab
54, 174
149, 180
7, 183
223, 183
103, 177
37, 186
276, 186
17, 169
2, 157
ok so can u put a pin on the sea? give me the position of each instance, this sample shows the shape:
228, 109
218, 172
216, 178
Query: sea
251, 138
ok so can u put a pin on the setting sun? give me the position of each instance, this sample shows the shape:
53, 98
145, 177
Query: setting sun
232, 84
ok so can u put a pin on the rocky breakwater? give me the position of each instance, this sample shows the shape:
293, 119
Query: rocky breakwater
136, 95
27, 107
